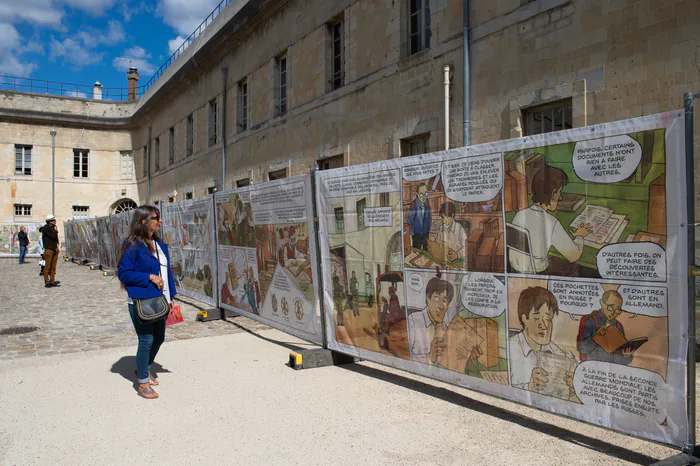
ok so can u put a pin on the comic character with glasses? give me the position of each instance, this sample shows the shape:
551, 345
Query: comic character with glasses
598, 323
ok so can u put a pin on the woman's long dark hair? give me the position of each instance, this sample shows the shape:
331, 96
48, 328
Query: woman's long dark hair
138, 231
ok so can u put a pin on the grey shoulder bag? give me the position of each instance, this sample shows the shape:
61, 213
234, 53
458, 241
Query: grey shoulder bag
150, 310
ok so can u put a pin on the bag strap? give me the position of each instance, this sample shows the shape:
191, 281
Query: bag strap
155, 246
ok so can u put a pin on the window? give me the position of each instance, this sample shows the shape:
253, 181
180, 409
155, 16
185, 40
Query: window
23, 210
242, 183
339, 219
157, 154
211, 189
190, 136
281, 75
125, 206
80, 163
548, 118
337, 58
415, 145
336, 161
277, 174
145, 160
243, 104
81, 211
384, 200
127, 165
23, 160
212, 122
171, 146
360, 210
418, 25
189, 195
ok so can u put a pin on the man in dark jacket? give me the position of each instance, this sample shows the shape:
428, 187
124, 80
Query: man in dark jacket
23, 243
49, 235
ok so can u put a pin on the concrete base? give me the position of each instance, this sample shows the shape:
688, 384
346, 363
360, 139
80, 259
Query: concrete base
317, 357
681, 459
95, 267
109, 273
206, 315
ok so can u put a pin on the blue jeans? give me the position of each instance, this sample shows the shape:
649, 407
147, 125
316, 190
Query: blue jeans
151, 336
22, 253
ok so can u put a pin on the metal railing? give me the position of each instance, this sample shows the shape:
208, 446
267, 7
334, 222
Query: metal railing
41, 86
186, 43
108, 93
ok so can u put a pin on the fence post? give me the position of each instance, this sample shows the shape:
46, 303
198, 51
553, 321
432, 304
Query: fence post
317, 238
690, 228
215, 226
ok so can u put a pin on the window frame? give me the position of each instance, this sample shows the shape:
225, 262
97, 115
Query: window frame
156, 154
420, 28
81, 208
243, 104
25, 160
171, 145
282, 83
565, 106
243, 182
83, 164
337, 68
25, 210
274, 174
145, 161
125, 155
408, 144
189, 149
339, 216
213, 122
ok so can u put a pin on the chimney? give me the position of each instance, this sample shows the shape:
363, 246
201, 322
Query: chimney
97, 91
133, 77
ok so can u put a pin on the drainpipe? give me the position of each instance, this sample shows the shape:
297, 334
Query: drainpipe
446, 71
465, 50
53, 171
224, 71
148, 181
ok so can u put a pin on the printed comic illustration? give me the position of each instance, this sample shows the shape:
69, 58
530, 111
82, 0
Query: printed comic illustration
9, 242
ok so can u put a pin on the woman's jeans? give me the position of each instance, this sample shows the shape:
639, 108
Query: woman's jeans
151, 336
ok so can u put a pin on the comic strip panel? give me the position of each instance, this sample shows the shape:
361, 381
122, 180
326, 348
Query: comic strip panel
453, 215
234, 217
594, 208
601, 345
458, 322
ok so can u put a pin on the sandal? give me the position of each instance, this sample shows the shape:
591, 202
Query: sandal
147, 392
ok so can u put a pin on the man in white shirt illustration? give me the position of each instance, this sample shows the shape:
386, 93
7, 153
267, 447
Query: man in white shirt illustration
427, 327
545, 229
537, 307
451, 233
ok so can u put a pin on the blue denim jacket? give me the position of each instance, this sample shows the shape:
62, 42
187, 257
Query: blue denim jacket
135, 269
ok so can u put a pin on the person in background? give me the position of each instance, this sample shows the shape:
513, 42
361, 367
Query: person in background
49, 234
144, 270
42, 262
23, 244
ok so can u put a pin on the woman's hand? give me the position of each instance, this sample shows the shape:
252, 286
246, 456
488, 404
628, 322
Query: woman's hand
157, 281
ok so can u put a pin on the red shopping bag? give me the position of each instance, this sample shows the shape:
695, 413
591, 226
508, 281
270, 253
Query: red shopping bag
174, 317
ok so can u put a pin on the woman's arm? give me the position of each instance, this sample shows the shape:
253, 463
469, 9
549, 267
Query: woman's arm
127, 272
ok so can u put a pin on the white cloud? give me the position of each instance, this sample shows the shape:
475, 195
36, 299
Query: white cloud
10, 63
73, 52
185, 15
42, 12
173, 44
135, 57
76, 94
96, 7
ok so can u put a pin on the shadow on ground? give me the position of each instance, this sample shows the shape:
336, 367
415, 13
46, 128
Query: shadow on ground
288, 345
126, 367
515, 418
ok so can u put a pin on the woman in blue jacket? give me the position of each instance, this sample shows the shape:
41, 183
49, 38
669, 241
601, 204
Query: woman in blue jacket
144, 270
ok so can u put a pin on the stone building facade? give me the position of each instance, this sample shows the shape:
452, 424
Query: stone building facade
273, 86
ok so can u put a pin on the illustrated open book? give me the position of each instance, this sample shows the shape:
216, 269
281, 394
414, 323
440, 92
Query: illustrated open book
613, 341
556, 366
299, 267
605, 226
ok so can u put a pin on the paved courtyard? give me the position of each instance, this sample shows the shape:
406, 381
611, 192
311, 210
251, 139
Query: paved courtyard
87, 312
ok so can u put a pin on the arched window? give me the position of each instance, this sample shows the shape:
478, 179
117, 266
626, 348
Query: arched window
124, 205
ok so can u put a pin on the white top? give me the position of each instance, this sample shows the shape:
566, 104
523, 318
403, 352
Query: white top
523, 359
421, 333
163, 274
545, 232
454, 237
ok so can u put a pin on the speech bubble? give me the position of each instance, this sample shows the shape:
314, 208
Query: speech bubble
606, 160
576, 298
483, 294
645, 300
421, 172
621, 396
415, 282
378, 217
386, 181
473, 179
632, 261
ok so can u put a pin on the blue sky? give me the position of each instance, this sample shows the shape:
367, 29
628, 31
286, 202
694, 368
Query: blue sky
83, 41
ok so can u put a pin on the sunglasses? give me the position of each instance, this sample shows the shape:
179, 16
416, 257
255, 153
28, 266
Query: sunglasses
155, 217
